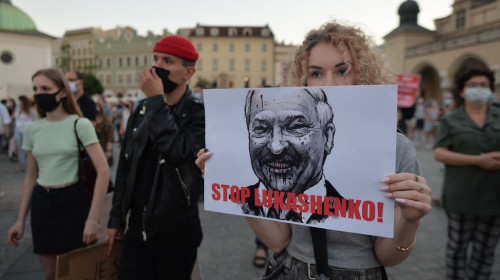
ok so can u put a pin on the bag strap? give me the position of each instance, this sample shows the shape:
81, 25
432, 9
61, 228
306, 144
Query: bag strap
81, 148
320, 252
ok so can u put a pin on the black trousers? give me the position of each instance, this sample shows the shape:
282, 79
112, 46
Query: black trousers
170, 256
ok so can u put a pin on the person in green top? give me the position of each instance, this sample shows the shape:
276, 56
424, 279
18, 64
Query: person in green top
61, 218
468, 143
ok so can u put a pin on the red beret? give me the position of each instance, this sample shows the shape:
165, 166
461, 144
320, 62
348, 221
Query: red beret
178, 46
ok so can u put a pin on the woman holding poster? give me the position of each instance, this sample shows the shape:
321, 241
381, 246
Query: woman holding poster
468, 143
341, 55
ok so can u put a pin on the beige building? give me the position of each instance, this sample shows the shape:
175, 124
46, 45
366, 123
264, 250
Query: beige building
233, 56
78, 50
469, 37
23, 50
284, 56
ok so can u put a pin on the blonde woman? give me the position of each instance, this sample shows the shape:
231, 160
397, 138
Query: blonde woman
61, 218
341, 55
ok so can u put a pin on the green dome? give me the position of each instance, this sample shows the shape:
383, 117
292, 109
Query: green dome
13, 19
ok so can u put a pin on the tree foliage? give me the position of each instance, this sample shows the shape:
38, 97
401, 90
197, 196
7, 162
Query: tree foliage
92, 85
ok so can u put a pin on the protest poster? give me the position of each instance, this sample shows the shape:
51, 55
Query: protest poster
307, 155
408, 85
89, 263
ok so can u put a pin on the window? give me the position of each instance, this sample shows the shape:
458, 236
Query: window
215, 64
200, 31
136, 61
232, 32
128, 61
199, 47
247, 32
145, 60
120, 62
247, 47
264, 47
215, 47
231, 65
231, 47
199, 64
108, 79
247, 65
265, 32
214, 31
264, 65
6, 57
129, 79
120, 79
84, 52
460, 19
90, 51
108, 62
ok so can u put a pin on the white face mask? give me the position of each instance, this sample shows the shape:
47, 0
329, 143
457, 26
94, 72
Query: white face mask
478, 96
73, 87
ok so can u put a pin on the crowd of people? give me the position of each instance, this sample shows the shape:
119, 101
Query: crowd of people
163, 153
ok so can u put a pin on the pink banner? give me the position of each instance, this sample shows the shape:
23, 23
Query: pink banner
408, 85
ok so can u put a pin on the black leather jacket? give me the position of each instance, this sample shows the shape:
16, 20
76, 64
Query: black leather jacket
177, 135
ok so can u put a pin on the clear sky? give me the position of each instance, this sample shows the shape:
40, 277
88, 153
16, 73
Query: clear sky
289, 20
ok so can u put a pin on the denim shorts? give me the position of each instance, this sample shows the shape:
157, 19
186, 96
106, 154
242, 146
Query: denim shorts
283, 266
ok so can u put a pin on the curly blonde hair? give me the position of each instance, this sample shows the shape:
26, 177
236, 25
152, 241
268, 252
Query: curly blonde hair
367, 68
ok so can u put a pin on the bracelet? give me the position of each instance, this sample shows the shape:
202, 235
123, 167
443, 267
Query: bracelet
404, 249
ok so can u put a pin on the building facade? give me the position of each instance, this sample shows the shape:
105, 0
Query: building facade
119, 59
469, 37
23, 50
233, 56
284, 56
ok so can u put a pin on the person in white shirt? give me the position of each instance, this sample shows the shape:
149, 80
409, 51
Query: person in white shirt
24, 114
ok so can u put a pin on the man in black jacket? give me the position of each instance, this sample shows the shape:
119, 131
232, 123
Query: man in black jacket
157, 181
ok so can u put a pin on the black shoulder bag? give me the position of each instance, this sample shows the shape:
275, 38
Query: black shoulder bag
87, 174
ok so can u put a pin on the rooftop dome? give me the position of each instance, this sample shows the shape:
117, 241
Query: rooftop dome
408, 12
408, 7
13, 19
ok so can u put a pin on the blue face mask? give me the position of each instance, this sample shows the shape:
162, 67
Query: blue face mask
478, 96
197, 95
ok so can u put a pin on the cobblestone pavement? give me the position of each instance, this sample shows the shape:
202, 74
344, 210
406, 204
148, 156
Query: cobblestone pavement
228, 244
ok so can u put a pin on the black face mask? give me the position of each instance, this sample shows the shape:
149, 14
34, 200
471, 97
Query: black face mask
168, 85
47, 101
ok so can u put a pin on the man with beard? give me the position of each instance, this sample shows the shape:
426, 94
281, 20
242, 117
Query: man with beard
290, 136
157, 181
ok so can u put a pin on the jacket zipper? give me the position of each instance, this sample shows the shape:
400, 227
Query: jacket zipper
184, 187
144, 235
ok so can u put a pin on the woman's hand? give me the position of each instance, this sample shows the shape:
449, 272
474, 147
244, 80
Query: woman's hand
90, 231
489, 161
202, 155
15, 233
412, 193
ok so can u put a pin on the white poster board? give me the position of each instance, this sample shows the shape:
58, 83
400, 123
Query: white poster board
287, 153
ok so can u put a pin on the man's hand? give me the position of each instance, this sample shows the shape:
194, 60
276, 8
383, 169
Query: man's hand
113, 234
150, 83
